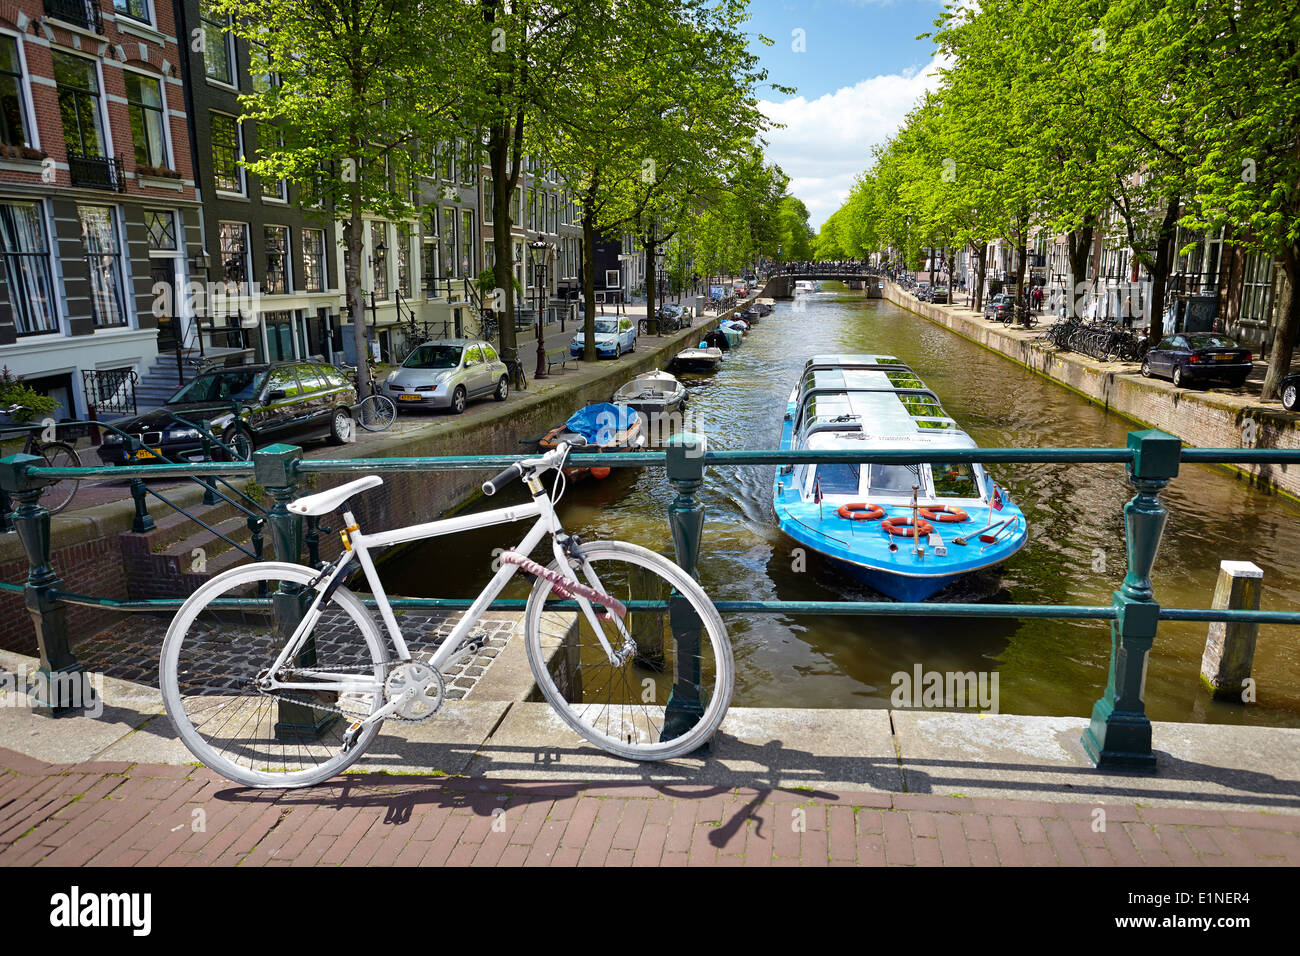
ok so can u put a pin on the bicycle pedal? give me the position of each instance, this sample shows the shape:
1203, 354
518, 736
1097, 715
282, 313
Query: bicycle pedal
469, 649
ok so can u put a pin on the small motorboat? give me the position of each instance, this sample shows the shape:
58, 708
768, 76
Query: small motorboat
730, 333
601, 427
764, 306
736, 323
702, 358
652, 393
750, 315
806, 286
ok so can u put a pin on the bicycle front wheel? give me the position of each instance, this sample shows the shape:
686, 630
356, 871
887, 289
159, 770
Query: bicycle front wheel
58, 495
222, 645
375, 413
667, 690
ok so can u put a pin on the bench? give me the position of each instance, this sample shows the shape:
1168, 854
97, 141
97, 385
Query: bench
560, 357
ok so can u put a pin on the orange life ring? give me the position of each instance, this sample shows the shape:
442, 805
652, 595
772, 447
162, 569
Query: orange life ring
902, 527
858, 511
945, 513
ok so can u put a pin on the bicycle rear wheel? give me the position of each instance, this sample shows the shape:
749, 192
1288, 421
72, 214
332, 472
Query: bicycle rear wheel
58, 495
222, 643
670, 689
375, 413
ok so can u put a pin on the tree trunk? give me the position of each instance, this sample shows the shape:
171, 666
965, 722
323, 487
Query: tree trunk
650, 247
589, 353
503, 296
1160, 272
1287, 310
356, 302
981, 271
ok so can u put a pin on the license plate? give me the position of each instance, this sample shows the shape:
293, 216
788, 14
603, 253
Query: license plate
1225, 358
146, 453
409, 398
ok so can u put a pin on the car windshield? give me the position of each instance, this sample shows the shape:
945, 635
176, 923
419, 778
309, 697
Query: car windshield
434, 356
1211, 342
606, 325
225, 385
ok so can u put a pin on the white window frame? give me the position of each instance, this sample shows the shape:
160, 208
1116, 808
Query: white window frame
242, 192
29, 104
170, 157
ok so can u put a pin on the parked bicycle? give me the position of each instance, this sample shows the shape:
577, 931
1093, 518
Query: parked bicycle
375, 412
57, 454
266, 710
515, 369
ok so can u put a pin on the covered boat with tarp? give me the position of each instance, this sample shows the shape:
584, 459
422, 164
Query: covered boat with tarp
600, 427
906, 529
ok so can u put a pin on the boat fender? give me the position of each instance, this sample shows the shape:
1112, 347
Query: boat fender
599, 471
902, 527
945, 513
859, 511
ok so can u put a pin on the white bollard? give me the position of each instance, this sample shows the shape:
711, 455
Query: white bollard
1230, 647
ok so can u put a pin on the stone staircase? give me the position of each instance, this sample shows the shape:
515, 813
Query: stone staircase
160, 380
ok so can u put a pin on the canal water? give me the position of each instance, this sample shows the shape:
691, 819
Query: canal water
1075, 554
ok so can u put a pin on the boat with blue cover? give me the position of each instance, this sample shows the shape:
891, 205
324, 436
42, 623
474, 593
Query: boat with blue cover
906, 530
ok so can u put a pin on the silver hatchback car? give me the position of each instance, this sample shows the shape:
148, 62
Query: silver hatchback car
447, 373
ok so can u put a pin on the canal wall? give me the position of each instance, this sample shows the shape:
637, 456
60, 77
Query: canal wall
1200, 418
94, 551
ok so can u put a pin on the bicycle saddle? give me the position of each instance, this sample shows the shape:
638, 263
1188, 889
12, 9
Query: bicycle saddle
323, 502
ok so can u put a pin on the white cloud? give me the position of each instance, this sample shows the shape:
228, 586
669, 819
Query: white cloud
826, 142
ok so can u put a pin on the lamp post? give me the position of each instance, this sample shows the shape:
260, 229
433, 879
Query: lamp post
541, 250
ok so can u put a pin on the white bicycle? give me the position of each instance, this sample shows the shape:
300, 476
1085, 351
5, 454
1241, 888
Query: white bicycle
276, 675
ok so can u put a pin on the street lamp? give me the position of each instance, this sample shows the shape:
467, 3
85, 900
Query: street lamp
660, 284
541, 251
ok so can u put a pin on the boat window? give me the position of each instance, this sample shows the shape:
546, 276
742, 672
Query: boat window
954, 480
838, 479
894, 479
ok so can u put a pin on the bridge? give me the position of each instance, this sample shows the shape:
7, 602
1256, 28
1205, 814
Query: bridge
780, 285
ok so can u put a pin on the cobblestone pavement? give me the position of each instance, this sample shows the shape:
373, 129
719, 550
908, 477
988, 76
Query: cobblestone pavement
118, 814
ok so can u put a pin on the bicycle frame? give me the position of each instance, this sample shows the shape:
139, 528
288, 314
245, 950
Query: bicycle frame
361, 544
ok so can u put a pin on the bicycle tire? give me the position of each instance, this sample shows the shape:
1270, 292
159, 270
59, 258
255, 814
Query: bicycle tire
200, 661
58, 495
650, 671
375, 413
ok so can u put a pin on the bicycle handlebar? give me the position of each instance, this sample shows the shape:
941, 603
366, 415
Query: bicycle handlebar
552, 459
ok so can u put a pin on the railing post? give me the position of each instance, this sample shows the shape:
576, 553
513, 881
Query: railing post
143, 521
209, 484
685, 453
1119, 736
275, 469
61, 686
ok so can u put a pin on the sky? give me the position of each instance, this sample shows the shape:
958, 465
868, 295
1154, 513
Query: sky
857, 68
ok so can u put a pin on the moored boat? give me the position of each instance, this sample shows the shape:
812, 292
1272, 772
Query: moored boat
702, 358
764, 305
905, 529
806, 286
652, 393
601, 427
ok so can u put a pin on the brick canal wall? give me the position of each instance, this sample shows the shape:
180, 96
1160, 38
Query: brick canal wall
95, 553
1200, 418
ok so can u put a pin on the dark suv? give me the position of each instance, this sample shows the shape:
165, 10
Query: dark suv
246, 406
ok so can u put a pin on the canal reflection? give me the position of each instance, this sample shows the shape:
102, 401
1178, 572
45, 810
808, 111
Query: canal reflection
1075, 553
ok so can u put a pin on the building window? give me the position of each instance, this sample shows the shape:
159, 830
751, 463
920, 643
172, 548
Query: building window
234, 253
135, 9
276, 189
104, 258
161, 227
227, 151
78, 86
27, 267
313, 259
259, 68
488, 212
13, 110
448, 255
431, 249
467, 243
144, 105
404, 259
276, 240
379, 257
469, 163
218, 59
1256, 288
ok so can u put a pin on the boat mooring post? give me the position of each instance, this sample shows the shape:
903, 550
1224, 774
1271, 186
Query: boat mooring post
1230, 646
1119, 737
275, 468
685, 453
61, 687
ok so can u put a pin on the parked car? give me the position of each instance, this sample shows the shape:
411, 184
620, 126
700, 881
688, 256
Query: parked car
922, 291
939, 294
1197, 358
614, 336
1290, 392
999, 307
447, 373
246, 406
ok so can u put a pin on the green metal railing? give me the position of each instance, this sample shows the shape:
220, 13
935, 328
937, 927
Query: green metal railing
1119, 734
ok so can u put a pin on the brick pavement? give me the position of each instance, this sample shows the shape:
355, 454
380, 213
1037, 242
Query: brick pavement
118, 814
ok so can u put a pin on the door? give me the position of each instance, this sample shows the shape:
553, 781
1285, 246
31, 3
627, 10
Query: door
162, 273
278, 417
477, 380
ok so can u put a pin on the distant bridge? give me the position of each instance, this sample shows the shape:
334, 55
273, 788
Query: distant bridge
781, 285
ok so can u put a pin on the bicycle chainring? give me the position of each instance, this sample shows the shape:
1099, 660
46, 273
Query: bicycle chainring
424, 684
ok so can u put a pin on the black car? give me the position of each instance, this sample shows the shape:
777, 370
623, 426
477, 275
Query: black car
1290, 392
246, 406
1192, 358
999, 307
939, 294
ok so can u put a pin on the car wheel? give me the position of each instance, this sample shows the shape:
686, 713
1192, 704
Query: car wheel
1146, 368
1290, 397
1178, 376
342, 428
458, 400
503, 390
239, 443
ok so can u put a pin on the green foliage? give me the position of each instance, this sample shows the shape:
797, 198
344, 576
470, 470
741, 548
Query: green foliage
13, 391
